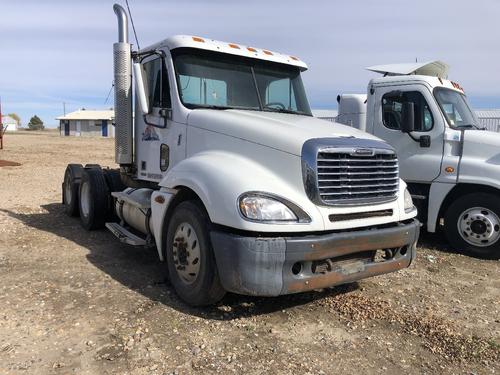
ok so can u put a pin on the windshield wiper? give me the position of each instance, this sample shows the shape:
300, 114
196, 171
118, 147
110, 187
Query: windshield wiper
283, 110
472, 126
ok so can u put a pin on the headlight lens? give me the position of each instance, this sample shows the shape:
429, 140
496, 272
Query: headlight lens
408, 201
263, 207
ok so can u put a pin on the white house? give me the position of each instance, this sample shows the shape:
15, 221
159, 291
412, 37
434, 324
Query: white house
9, 123
86, 122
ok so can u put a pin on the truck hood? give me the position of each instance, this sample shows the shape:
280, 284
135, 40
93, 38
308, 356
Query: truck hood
482, 144
281, 131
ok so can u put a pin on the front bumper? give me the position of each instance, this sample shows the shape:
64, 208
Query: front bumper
272, 266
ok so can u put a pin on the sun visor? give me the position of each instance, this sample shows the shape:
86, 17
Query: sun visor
430, 68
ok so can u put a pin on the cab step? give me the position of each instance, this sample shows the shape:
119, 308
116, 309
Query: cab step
125, 236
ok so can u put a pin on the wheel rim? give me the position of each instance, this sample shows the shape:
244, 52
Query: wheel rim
186, 251
67, 191
479, 226
85, 199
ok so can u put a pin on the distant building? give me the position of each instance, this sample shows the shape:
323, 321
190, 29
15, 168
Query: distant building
9, 123
489, 118
87, 123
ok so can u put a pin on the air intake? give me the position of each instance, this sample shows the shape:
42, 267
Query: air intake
123, 90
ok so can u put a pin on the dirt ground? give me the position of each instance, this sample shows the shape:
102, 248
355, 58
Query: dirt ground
78, 302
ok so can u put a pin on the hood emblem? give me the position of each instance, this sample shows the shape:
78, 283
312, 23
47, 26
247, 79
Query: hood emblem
364, 152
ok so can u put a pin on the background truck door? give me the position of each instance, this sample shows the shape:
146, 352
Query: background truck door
417, 163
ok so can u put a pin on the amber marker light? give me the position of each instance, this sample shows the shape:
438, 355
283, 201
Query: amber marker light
267, 52
449, 169
251, 49
234, 46
197, 39
294, 58
159, 199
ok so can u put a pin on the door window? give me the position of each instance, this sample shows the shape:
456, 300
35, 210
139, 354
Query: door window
392, 105
157, 83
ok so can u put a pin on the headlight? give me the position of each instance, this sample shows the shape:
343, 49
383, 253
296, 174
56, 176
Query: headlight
408, 201
266, 208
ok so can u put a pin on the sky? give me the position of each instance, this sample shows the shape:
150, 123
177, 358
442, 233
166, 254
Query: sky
60, 51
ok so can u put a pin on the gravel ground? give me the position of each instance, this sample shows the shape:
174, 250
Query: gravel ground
79, 302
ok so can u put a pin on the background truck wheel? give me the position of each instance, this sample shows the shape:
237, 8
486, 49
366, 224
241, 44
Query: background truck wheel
70, 188
190, 257
94, 204
472, 224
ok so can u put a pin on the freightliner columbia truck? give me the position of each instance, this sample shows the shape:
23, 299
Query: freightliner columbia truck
225, 172
450, 163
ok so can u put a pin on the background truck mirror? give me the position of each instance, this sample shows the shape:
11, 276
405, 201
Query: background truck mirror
407, 117
140, 91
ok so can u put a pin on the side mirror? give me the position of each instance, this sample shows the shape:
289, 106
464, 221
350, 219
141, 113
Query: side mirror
407, 117
140, 90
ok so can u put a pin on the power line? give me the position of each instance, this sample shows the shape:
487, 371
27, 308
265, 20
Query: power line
133, 26
109, 93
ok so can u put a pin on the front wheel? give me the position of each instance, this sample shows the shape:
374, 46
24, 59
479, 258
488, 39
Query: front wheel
472, 224
190, 257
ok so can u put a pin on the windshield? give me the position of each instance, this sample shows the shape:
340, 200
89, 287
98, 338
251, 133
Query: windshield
455, 108
221, 81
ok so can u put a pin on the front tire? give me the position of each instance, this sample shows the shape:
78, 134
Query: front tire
472, 225
190, 257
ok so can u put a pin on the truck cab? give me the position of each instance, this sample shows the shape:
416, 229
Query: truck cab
226, 173
447, 159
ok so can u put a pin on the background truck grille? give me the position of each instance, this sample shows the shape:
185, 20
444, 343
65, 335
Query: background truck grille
349, 178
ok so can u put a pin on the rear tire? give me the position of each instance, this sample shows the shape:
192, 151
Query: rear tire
190, 257
70, 188
472, 225
93, 200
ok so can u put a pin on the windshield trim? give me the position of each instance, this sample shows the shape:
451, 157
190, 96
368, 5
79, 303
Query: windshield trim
248, 62
463, 127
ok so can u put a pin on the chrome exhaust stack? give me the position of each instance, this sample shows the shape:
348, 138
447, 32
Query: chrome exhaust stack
123, 90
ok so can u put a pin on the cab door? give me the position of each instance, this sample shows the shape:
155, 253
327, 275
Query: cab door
419, 162
160, 142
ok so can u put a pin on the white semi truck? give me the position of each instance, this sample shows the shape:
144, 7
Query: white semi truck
450, 163
225, 172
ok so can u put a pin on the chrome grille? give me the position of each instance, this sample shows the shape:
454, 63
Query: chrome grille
348, 177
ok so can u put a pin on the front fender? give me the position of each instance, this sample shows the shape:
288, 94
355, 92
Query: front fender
220, 177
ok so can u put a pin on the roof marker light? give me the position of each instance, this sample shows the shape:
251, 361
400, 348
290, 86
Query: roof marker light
267, 52
294, 58
197, 39
234, 46
251, 49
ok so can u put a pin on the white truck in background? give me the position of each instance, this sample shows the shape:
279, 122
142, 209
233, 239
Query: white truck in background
225, 171
450, 164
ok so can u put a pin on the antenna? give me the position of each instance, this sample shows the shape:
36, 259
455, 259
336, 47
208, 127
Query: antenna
133, 26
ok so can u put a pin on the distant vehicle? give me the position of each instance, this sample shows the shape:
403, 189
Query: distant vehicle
450, 163
238, 187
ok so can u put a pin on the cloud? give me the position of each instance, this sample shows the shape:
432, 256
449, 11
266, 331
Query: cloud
55, 51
